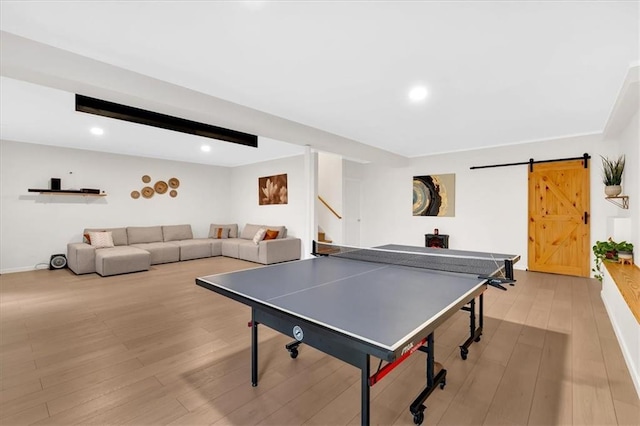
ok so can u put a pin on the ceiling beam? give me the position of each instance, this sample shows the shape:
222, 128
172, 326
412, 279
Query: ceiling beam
31, 61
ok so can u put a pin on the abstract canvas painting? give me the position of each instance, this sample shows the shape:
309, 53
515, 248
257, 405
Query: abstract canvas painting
273, 190
434, 195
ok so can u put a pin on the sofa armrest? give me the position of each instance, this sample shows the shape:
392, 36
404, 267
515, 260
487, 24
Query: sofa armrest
81, 258
279, 250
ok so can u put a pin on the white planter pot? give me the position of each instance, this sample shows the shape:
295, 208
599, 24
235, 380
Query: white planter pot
612, 190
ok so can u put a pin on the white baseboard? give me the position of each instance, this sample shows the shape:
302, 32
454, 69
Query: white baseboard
22, 269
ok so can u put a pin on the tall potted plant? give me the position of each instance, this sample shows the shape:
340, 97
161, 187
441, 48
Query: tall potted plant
612, 175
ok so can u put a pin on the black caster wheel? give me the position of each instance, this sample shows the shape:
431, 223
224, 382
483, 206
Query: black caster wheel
293, 353
418, 417
443, 384
464, 352
477, 339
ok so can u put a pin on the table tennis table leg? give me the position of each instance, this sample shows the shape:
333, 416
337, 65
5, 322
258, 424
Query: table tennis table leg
481, 315
474, 333
254, 349
365, 403
434, 380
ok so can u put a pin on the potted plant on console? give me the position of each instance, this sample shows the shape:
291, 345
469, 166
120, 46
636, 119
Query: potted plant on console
609, 250
612, 175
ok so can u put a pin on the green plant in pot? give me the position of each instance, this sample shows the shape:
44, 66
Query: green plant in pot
608, 251
612, 175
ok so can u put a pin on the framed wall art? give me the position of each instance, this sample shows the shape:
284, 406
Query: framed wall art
273, 190
434, 195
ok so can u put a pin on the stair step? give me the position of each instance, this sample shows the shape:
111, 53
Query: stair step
322, 238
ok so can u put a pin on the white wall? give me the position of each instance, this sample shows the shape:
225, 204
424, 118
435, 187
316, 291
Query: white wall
330, 181
491, 204
630, 146
33, 227
244, 200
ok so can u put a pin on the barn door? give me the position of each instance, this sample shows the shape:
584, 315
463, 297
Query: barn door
559, 218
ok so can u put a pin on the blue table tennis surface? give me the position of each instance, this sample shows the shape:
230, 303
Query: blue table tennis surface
381, 304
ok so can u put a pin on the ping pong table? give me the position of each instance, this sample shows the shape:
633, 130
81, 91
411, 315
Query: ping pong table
357, 303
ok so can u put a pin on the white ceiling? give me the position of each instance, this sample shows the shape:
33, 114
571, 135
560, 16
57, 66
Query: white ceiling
497, 73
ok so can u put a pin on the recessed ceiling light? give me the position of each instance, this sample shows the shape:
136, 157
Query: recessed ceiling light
97, 131
205, 148
418, 93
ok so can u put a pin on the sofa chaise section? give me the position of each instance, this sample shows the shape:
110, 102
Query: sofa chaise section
83, 258
121, 260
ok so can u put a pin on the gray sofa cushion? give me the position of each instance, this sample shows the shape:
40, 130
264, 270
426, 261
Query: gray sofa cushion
230, 247
81, 258
121, 260
160, 252
233, 229
144, 234
249, 231
177, 232
279, 250
248, 251
216, 247
119, 234
194, 249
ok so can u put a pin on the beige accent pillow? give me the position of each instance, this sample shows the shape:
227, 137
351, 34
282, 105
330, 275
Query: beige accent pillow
233, 229
177, 232
101, 239
219, 233
250, 230
259, 235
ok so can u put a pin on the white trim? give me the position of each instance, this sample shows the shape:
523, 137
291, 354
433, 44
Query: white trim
625, 326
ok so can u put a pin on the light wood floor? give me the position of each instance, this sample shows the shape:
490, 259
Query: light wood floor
154, 348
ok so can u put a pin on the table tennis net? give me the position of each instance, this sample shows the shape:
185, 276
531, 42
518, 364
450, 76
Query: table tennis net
482, 266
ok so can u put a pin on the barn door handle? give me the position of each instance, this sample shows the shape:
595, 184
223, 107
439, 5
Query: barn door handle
586, 218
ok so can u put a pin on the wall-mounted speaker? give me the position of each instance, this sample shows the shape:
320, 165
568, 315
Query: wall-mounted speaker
58, 261
55, 184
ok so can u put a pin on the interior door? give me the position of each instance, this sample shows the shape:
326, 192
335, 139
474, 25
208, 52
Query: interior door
559, 218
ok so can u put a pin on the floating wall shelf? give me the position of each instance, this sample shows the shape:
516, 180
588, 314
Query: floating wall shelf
621, 201
67, 192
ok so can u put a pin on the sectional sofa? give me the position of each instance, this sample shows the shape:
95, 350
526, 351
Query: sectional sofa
116, 251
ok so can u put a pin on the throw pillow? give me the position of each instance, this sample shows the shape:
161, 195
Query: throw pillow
101, 239
259, 235
271, 234
220, 233
87, 238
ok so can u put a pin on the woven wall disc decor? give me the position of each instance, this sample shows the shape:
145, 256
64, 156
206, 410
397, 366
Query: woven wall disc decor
173, 193
161, 187
147, 192
146, 178
135, 195
174, 183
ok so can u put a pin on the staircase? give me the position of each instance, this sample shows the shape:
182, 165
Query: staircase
322, 238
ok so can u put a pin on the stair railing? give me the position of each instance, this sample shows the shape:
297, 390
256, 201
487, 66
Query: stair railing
329, 207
